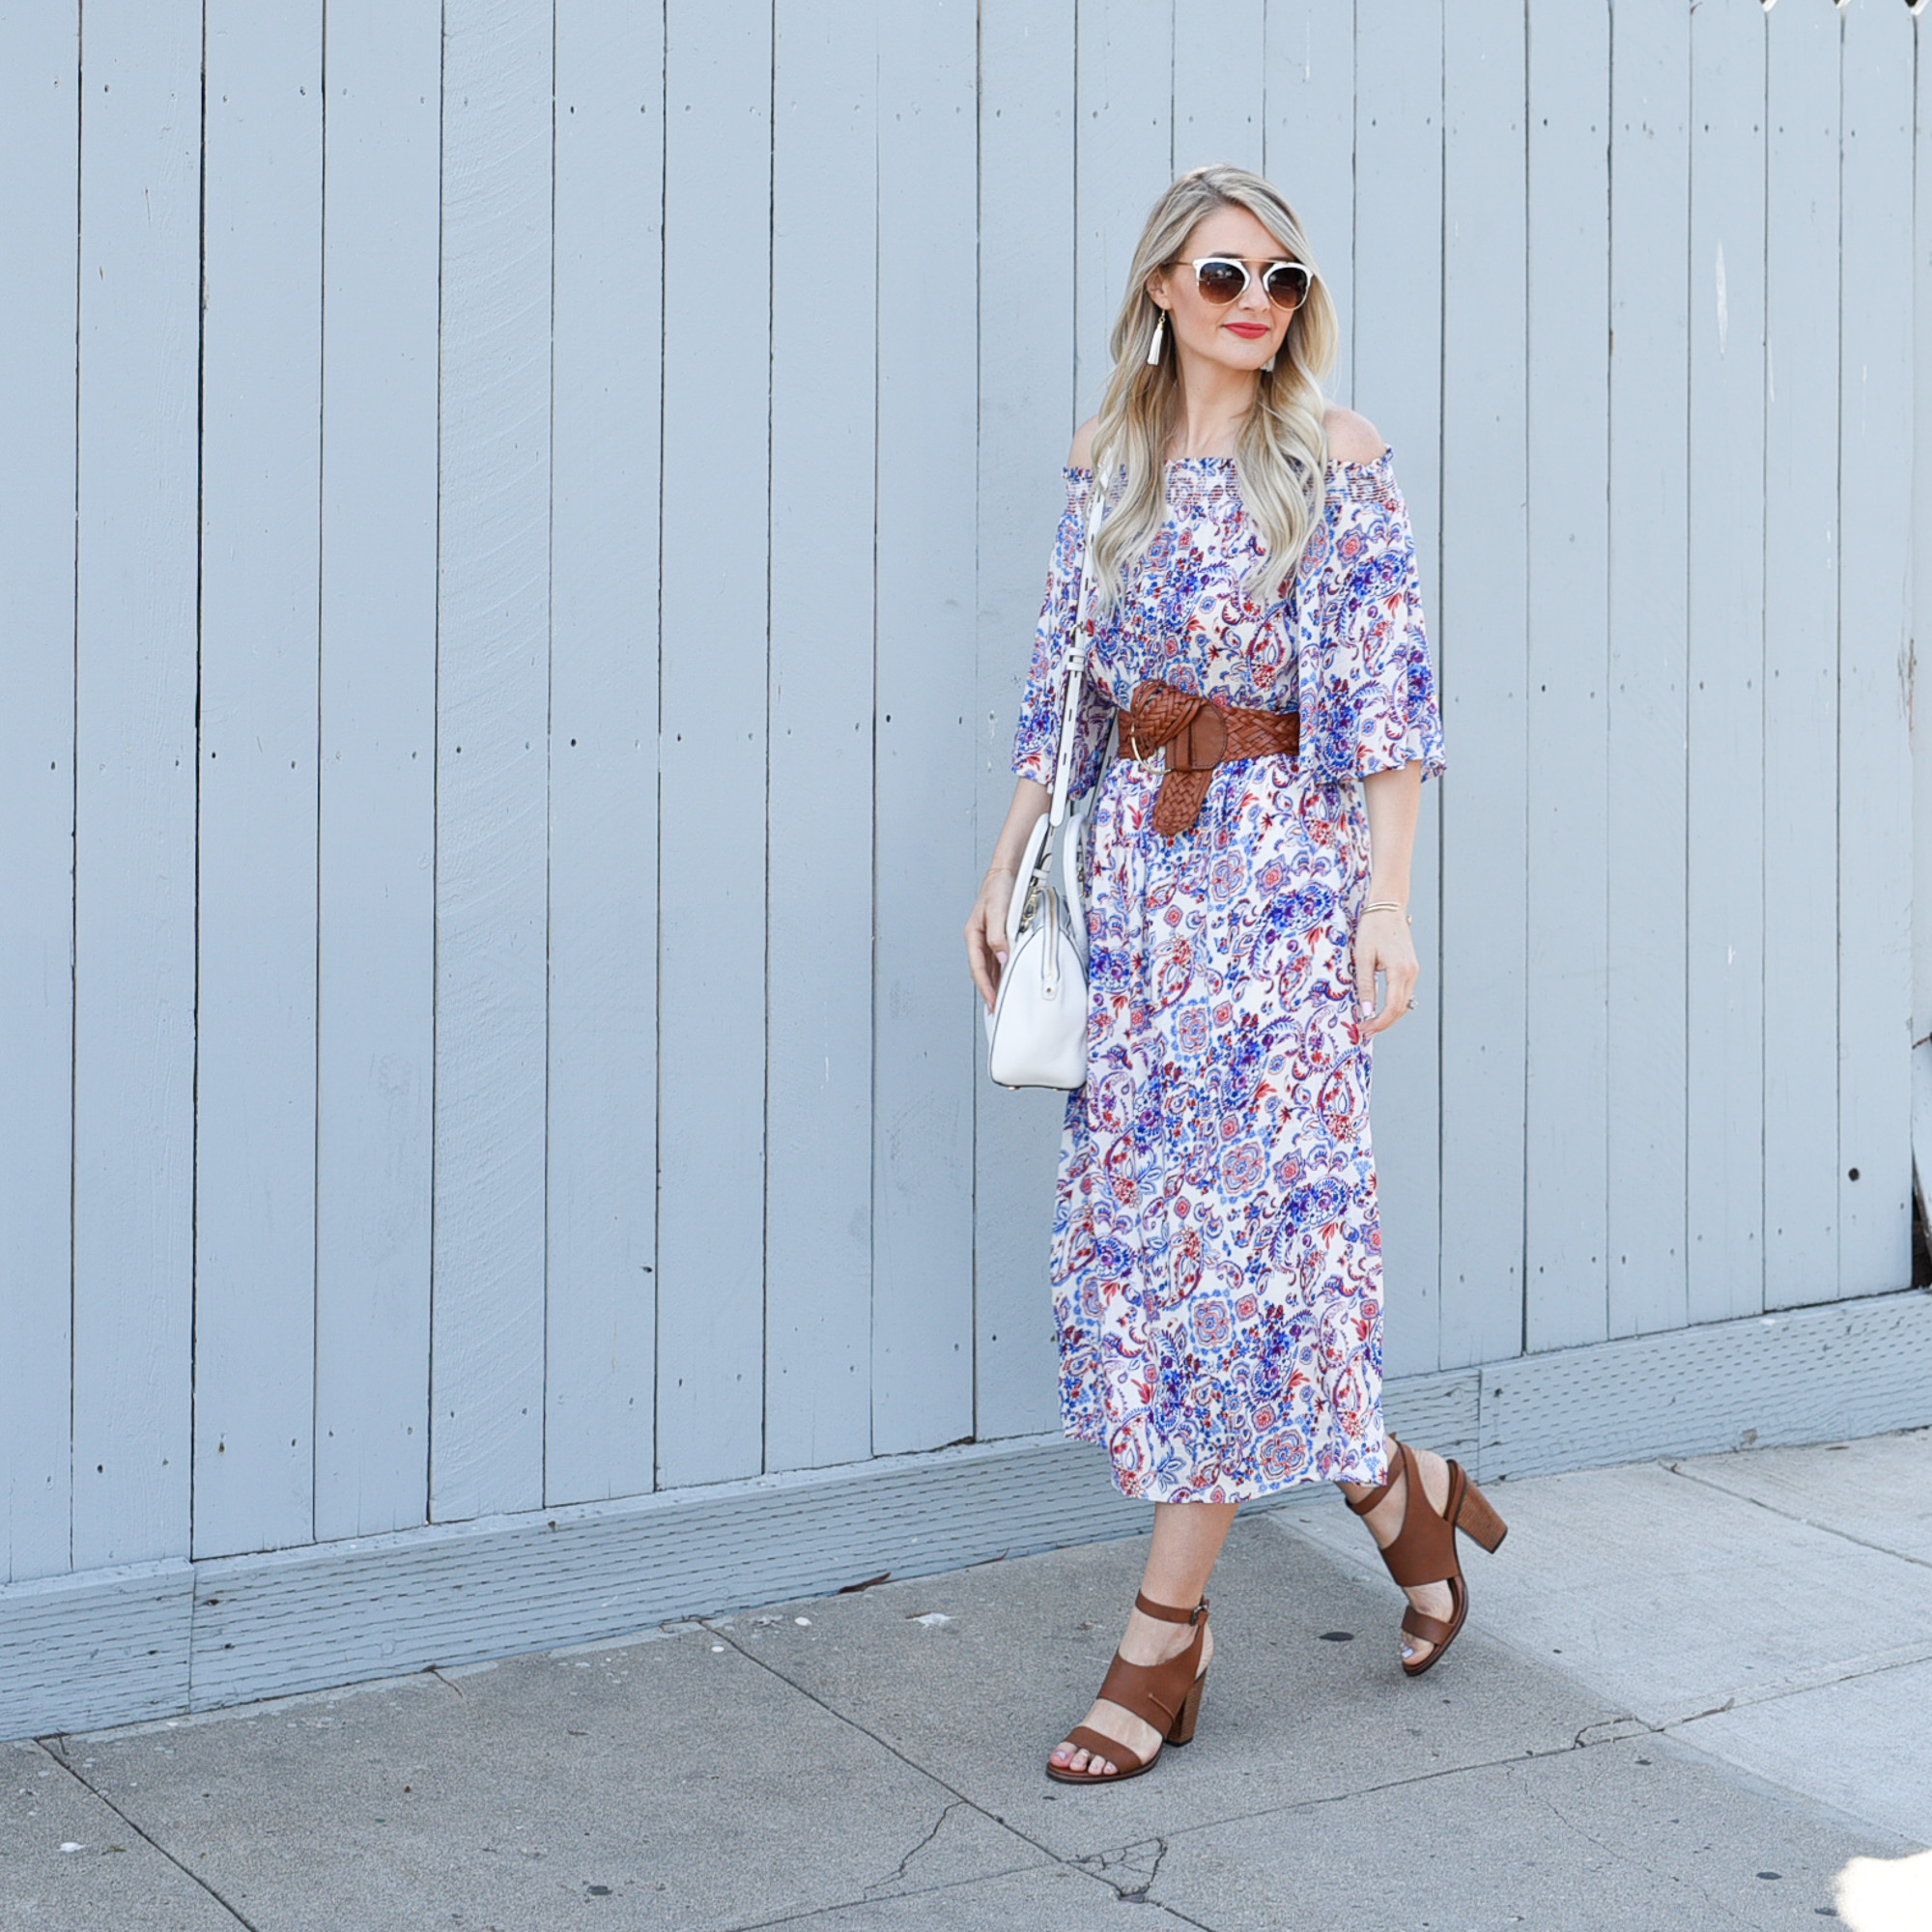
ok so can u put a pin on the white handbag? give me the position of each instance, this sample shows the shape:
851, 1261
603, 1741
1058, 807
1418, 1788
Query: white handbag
1037, 1033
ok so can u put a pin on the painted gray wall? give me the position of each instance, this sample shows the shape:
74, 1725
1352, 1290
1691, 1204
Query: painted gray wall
521, 528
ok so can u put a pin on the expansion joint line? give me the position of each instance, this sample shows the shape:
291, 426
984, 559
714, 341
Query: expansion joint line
1792, 1516
56, 1749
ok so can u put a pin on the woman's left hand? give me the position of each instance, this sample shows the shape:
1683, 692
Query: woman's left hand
1383, 944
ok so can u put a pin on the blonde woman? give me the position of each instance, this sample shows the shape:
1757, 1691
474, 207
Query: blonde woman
1258, 653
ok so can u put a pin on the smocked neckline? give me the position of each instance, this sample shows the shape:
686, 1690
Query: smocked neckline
1340, 463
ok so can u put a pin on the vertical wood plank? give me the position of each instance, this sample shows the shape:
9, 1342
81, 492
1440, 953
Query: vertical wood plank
926, 1040
40, 132
601, 1351
1483, 651
1565, 1275
1800, 697
1310, 148
1027, 232
1220, 83
376, 892
1649, 563
1725, 857
133, 1051
493, 689
1922, 553
254, 1300
713, 868
1397, 382
818, 1199
1875, 400
1124, 102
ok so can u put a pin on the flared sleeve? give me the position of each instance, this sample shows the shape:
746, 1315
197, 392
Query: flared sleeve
1036, 742
1370, 687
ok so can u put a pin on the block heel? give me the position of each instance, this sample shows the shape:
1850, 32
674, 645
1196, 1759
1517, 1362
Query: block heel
1477, 1518
1183, 1732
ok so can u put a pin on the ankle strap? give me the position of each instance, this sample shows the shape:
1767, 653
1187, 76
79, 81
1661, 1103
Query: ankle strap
1167, 1613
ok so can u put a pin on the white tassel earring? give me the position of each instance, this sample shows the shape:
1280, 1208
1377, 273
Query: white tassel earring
1153, 347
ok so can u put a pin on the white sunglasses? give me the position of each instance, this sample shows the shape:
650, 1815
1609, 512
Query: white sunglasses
1222, 279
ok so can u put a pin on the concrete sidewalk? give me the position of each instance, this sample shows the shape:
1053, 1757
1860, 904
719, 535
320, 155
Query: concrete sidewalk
1689, 1695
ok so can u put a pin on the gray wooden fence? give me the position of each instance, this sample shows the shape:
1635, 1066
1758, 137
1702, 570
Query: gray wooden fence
520, 527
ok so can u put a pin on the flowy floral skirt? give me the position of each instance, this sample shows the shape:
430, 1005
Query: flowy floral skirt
1216, 1259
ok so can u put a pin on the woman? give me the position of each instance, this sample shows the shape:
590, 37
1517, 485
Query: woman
1216, 1259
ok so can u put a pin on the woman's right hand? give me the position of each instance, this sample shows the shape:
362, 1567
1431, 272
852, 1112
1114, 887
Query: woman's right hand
987, 929
986, 932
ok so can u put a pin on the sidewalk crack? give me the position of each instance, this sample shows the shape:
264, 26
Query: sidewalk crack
1133, 1860
55, 1747
895, 1877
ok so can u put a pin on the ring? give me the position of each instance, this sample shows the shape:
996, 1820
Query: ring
1410, 1008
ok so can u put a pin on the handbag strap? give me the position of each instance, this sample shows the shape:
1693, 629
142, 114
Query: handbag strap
1077, 663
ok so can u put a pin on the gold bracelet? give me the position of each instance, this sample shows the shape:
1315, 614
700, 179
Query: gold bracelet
1383, 905
1012, 871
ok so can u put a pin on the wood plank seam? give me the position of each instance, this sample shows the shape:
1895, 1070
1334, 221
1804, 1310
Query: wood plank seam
765, 935
658, 815
315, 1229
430, 1431
1529, 620
548, 1206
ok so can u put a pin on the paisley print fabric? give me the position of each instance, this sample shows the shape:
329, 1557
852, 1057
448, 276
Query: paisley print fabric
1216, 1257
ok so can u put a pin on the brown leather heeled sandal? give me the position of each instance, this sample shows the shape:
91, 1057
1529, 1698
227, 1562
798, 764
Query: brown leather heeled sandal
1423, 1549
1166, 1695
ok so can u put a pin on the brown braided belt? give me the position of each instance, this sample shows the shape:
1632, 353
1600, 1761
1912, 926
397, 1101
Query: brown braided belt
1197, 733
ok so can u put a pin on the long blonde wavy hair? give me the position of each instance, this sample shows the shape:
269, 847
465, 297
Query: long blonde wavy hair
1281, 451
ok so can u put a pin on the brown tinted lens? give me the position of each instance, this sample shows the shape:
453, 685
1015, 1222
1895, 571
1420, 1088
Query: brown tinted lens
1220, 282
1286, 284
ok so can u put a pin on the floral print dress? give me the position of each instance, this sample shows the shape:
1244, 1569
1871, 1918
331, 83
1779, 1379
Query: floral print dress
1216, 1257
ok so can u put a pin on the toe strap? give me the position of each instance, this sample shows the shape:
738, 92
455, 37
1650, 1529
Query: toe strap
1431, 1630
1109, 1749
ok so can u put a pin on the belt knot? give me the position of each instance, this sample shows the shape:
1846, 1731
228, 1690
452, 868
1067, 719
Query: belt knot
1194, 734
